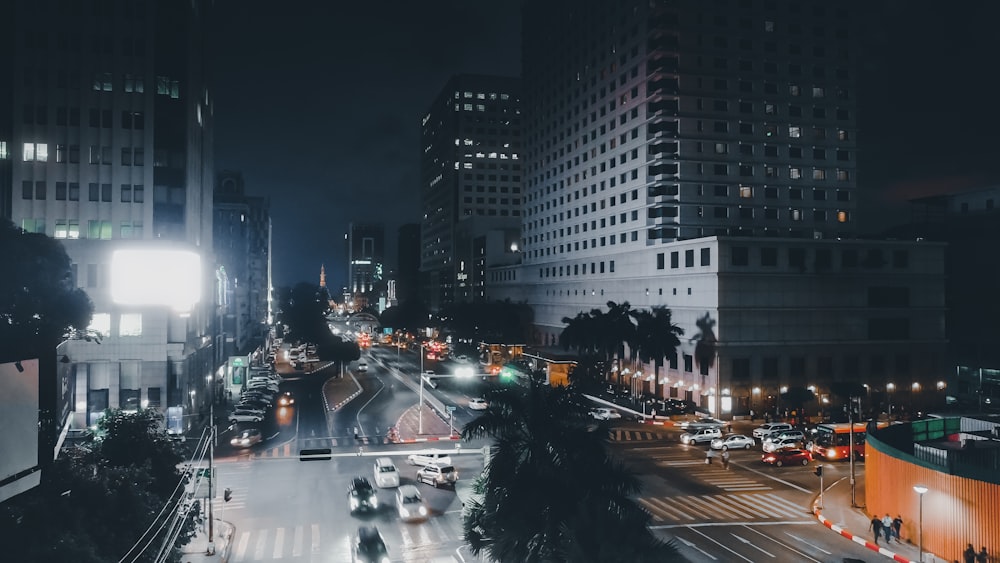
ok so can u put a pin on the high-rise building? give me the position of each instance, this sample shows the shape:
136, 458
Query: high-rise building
682, 155
106, 144
242, 240
365, 262
471, 181
408, 272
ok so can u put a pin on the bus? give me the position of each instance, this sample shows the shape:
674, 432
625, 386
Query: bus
833, 441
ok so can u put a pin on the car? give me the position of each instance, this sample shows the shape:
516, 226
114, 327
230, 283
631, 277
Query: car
701, 435
605, 413
247, 438
265, 394
410, 504
261, 384
702, 422
386, 474
787, 457
286, 399
361, 495
478, 404
245, 416
251, 403
782, 444
249, 409
765, 429
362, 366
733, 442
369, 546
437, 475
265, 401
429, 457
797, 434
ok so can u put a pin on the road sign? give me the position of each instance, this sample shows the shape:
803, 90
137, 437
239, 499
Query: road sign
451, 409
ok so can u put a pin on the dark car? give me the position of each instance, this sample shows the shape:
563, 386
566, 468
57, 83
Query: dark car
787, 457
369, 547
253, 403
361, 495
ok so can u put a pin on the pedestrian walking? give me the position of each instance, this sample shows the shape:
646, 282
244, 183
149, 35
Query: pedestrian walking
982, 556
708, 456
876, 528
887, 528
897, 526
725, 459
969, 554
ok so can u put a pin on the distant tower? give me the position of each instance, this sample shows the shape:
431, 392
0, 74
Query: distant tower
322, 275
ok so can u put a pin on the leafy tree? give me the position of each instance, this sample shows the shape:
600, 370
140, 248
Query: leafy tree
495, 321
545, 441
103, 497
588, 374
39, 303
410, 315
304, 311
657, 337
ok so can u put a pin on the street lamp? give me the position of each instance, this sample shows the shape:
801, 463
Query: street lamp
420, 407
920, 490
888, 389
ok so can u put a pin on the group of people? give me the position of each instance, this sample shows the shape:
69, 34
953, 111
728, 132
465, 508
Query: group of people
888, 526
972, 557
724, 456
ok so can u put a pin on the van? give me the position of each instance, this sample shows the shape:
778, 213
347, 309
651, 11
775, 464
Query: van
362, 366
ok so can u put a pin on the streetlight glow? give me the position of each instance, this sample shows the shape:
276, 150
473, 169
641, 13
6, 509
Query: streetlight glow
920, 490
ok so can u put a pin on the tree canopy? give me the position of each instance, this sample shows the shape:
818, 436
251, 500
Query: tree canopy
39, 301
97, 501
550, 492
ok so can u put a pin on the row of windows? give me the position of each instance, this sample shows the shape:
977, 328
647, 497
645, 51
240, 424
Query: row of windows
593, 226
577, 269
494, 189
70, 191
39, 115
824, 367
705, 255
39, 152
772, 213
745, 149
850, 258
493, 200
129, 324
493, 212
620, 238
748, 192
96, 229
593, 207
750, 171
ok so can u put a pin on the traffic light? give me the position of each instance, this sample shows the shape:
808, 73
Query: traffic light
227, 495
506, 373
819, 470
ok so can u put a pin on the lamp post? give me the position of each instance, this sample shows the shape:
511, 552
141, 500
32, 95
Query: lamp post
920, 490
888, 390
420, 406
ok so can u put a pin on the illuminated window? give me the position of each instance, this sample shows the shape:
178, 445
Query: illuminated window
794, 132
4, 153
130, 324
795, 214
819, 174
746, 191
61, 229
843, 175
795, 173
841, 216
818, 92
73, 232
101, 324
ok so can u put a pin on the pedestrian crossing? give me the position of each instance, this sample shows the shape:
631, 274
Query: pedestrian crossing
723, 508
618, 435
713, 474
432, 540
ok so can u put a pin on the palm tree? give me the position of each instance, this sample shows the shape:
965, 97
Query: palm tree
620, 331
657, 337
550, 492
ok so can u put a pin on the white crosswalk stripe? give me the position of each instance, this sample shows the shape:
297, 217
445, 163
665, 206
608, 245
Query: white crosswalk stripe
436, 535
751, 507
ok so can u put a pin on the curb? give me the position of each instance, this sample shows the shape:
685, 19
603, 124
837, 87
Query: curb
340, 405
428, 439
858, 540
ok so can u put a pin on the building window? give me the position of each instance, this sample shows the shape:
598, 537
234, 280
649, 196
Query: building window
35, 152
706, 257
674, 260
130, 324
740, 256
100, 323
659, 261
689, 258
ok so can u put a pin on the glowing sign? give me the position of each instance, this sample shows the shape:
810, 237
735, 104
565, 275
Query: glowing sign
156, 277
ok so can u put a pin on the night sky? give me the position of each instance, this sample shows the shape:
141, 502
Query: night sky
318, 104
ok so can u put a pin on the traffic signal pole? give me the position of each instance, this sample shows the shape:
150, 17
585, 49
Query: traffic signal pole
211, 478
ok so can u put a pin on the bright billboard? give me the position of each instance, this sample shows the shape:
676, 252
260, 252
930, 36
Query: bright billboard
19, 469
156, 277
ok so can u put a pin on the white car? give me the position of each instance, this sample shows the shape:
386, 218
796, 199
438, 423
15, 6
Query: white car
781, 444
766, 429
604, 413
478, 404
410, 504
701, 435
246, 438
429, 457
386, 474
246, 416
732, 442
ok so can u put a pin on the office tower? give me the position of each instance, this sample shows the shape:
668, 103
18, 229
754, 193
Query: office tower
701, 156
242, 228
408, 272
365, 262
471, 181
106, 145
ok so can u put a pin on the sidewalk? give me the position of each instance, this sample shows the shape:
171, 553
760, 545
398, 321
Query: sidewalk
838, 515
197, 549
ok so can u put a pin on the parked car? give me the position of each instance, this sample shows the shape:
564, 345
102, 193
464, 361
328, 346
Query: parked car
702, 422
782, 444
605, 413
763, 430
437, 475
251, 403
386, 474
701, 435
261, 384
410, 504
478, 404
369, 546
361, 495
429, 457
245, 416
733, 442
787, 457
247, 438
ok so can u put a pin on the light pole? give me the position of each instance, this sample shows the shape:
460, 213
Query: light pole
420, 407
888, 390
920, 489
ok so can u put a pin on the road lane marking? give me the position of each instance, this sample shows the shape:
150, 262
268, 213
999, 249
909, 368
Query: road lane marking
802, 540
743, 523
258, 552
721, 545
241, 547
773, 478
279, 538
753, 545
786, 546
297, 542
695, 547
315, 538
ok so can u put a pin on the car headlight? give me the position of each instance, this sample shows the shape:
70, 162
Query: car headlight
423, 511
354, 502
374, 501
384, 559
